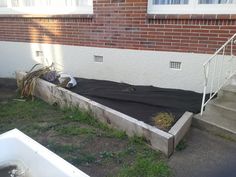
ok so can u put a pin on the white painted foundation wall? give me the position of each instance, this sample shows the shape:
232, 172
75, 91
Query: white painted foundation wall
120, 65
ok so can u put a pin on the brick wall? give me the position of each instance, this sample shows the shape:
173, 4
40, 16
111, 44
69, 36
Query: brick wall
123, 24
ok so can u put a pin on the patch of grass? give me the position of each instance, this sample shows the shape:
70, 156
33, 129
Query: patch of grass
145, 167
83, 159
34, 128
71, 153
61, 149
137, 140
86, 118
106, 154
13, 111
111, 133
28, 110
182, 145
73, 131
82, 117
132, 150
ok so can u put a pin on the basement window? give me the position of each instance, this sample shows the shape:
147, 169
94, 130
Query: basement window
191, 6
46, 7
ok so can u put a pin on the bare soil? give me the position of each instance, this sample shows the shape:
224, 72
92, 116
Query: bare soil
8, 89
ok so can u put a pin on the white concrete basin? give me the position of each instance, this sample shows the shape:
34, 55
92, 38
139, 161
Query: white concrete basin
35, 160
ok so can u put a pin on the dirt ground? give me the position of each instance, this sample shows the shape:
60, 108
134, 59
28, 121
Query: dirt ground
8, 89
80, 139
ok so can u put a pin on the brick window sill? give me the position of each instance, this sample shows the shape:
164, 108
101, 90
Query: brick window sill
192, 16
82, 16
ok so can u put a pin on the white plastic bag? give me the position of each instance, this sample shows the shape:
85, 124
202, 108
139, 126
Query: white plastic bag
71, 83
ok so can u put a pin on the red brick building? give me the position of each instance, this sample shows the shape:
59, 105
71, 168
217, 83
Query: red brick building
133, 40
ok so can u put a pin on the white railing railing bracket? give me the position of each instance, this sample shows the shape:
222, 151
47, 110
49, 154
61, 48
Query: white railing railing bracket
218, 69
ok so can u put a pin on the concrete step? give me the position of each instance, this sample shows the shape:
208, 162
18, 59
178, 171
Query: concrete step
225, 108
217, 122
220, 110
232, 80
228, 92
219, 116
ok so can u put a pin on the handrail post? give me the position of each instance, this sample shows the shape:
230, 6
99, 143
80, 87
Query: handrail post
218, 78
203, 100
206, 72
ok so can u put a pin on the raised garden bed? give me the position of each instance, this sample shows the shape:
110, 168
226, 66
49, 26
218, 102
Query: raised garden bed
159, 139
140, 102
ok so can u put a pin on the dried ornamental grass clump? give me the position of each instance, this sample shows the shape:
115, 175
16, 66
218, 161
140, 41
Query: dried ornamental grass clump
163, 120
27, 84
48, 73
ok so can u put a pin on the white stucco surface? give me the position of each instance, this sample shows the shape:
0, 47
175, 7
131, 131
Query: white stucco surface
120, 65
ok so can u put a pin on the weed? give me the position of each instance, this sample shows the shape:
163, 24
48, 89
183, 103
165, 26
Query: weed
137, 140
106, 154
163, 120
83, 159
131, 150
182, 145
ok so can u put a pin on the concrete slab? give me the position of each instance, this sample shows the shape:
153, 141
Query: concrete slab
205, 156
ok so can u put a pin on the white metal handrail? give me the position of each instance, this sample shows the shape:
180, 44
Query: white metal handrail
218, 69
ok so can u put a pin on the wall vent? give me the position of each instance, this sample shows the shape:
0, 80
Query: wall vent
39, 53
98, 59
175, 65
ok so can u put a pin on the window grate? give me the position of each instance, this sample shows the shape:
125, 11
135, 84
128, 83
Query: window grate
175, 65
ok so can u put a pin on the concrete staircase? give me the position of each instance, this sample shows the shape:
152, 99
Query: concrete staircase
219, 116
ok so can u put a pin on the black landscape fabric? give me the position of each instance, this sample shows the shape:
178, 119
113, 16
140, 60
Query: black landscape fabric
140, 102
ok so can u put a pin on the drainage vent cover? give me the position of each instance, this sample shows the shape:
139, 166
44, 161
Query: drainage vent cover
98, 59
175, 65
